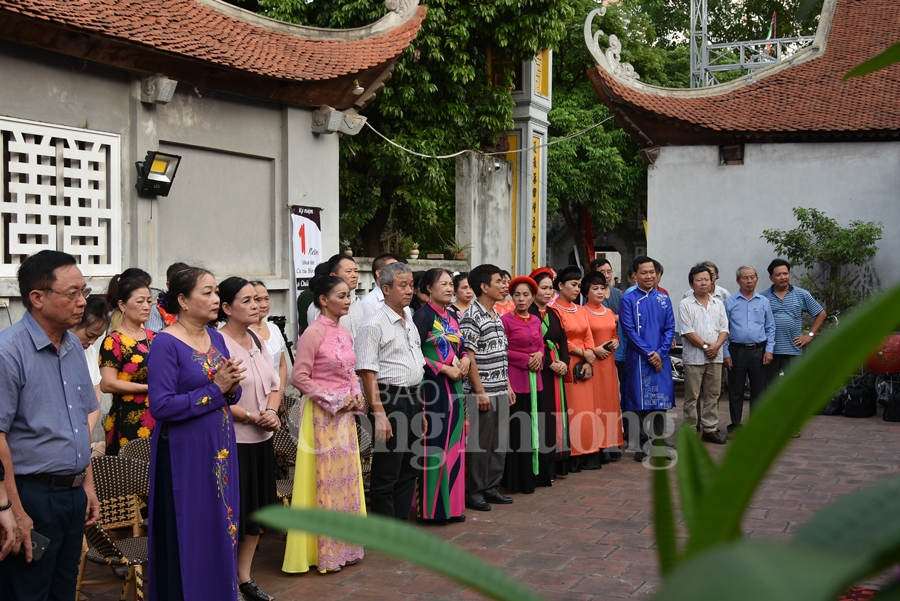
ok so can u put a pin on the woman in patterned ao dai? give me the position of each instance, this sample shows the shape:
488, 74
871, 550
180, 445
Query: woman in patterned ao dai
327, 473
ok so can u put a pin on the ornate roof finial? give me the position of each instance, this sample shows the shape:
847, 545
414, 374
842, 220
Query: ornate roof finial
610, 60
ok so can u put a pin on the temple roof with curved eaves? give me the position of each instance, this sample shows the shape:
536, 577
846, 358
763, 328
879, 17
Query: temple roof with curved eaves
800, 99
213, 44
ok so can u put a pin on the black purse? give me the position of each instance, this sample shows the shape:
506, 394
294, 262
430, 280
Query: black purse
579, 373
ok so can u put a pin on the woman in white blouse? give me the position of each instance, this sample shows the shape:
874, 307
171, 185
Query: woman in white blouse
271, 336
94, 323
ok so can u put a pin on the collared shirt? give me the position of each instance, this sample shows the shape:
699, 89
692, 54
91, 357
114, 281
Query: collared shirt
706, 322
788, 314
486, 339
750, 321
612, 302
389, 345
372, 302
45, 399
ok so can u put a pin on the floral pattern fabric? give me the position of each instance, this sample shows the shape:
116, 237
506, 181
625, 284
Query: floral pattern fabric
128, 417
195, 418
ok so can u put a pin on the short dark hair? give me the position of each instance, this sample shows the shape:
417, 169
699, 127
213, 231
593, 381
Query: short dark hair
380, 261
430, 278
96, 310
698, 268
630, 269
335, 261
482, 275
712, 268
458, 279
324, 286
657, 266
572, 272
505, 274
598, 263
777, 263
591, 278
175, 268
36, 272
640, 261
183, 283
228, 289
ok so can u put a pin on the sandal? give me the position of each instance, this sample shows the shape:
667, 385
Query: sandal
253, 593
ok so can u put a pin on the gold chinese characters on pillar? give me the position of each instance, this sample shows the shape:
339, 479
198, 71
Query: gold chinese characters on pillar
535, 201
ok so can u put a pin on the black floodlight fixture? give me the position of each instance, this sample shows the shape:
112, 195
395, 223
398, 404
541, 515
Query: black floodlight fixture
156, 173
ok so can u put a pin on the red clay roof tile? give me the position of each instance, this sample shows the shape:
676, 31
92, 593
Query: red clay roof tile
196, 31
808, 98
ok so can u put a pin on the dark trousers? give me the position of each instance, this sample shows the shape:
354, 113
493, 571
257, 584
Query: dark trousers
486, 446
648, 422
620, 371
745, 362
58, 514
779, 364
394, 463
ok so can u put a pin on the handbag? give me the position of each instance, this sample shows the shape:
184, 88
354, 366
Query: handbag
579, 373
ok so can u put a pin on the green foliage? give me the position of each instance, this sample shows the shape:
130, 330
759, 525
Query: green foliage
734, 20
601, 171
439, 101
881, 60
830, 253
389, 536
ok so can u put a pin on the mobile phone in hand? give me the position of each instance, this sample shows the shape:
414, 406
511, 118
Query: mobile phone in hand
608, 346
39, 544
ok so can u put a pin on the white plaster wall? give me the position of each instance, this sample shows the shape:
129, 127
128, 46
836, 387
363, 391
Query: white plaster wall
698, 210
484, 209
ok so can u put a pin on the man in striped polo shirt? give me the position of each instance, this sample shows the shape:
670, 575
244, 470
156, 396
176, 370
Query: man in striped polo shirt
488, 394
789, 303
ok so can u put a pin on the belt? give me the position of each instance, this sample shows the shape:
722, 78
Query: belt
412, 389
71, 481
742, 345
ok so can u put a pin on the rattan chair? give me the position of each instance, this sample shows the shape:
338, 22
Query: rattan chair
139, 448
119, 482
365, 452
285, 458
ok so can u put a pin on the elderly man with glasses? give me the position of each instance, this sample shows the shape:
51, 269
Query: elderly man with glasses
46, 394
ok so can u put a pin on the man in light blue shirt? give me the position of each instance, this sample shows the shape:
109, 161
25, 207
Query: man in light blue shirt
789, 303
751, 340
46, 394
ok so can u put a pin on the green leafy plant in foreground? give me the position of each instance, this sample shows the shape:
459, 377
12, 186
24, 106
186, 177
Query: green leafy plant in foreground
852, 538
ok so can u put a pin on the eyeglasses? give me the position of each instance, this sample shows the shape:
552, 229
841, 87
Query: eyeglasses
85, 292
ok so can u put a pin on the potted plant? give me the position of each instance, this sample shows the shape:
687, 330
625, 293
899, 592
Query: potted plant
458, 250
345, 248
414, 250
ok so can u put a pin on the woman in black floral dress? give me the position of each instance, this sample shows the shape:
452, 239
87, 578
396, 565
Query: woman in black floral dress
123, 366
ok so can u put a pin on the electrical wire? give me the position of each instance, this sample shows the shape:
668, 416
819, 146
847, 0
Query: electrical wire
489, 154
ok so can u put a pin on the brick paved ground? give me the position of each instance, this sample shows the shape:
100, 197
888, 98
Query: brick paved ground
589, 536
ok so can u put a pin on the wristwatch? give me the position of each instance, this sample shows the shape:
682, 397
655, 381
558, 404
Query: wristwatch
811, 334
247, 417
705, 346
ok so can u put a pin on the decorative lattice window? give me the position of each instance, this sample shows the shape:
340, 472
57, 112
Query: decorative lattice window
59, 190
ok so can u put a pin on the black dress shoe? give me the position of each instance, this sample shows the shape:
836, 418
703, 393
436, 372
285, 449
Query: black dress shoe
252, 592
478, 505
640, 456
498, 499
